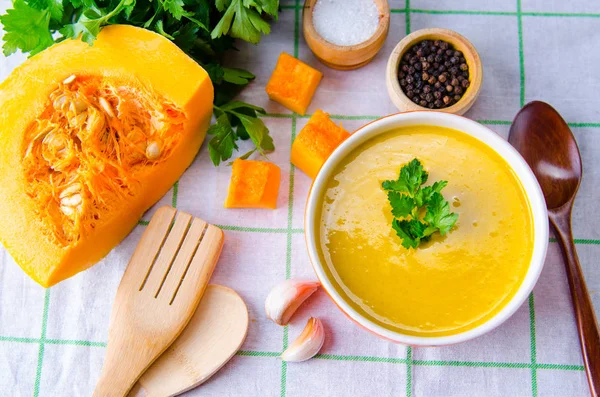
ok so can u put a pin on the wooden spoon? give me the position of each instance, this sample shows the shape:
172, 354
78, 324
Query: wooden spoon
158, 295
546, 142
211, 338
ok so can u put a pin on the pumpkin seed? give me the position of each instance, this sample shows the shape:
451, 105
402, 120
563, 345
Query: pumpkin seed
68, 211
78, 120
106, 106
79, 105
69, 79
59, 103
152, 151
71, 199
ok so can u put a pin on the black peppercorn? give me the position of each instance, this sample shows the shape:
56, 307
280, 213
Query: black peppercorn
433, 74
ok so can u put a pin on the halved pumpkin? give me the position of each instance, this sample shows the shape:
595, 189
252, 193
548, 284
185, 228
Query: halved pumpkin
90, 138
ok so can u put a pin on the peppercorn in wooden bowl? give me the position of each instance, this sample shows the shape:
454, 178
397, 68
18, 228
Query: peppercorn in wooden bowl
345, 57
452, 92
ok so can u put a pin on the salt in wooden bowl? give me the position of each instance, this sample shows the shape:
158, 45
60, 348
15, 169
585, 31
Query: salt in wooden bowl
460, 43
345, 57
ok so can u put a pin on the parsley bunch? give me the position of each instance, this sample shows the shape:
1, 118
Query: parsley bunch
409, 199
204, 29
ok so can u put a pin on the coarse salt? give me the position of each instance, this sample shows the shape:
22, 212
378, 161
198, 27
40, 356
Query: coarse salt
345, 22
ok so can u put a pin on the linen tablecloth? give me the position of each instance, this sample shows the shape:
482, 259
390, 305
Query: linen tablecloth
52, 341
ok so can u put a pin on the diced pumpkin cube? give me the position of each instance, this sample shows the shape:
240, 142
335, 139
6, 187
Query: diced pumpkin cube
254, 184
293, 83
315, 142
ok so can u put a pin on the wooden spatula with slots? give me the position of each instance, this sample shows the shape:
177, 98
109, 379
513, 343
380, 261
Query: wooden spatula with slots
158, 295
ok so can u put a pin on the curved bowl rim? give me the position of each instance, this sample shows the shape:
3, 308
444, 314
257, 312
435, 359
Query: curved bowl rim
524, 174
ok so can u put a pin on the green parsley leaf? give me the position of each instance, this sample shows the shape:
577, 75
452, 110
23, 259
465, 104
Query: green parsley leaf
237, 76
258, 132
402, 205
412, 176
409, 231
438, 214
175, 8
423, 196
222, 144
270, 7
54, 7
241, 20
26, 29
408, 199
90, 21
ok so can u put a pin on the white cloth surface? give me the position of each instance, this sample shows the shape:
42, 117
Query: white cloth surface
52, 342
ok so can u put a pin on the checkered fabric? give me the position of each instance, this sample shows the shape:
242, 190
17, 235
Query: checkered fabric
52, 341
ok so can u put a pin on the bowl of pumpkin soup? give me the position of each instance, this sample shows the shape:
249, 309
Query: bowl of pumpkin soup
426, 228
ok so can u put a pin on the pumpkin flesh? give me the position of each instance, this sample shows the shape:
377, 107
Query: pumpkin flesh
90, 138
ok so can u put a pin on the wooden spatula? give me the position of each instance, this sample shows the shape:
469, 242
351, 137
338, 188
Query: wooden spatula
158, 295
211, 338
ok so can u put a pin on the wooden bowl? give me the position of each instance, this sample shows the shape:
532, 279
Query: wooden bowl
460, 43
345, 57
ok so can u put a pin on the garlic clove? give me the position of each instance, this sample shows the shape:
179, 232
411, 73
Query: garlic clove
286, 297
308, 344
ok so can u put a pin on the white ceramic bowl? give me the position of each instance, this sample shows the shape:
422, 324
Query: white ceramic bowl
498, 144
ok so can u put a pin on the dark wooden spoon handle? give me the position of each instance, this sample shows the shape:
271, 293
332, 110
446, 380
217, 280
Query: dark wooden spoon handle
582, 304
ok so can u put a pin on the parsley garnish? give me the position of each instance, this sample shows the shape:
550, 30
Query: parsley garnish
204, 29
408, 199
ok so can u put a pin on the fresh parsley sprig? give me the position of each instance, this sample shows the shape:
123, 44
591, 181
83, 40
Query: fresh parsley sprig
204, 29
409, 199
243, 117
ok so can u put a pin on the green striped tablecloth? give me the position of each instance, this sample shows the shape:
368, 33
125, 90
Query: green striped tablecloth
52, 342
